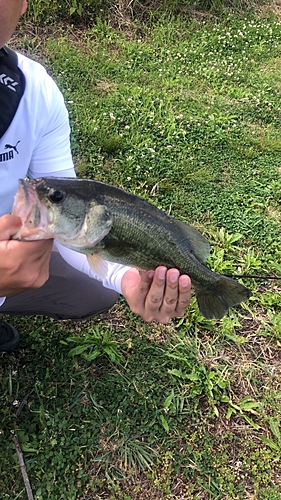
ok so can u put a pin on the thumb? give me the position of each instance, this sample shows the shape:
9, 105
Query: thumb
135, 287
145, 282
135, 284
9, 225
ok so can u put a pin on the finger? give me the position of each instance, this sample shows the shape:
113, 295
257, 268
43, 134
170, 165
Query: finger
156, 292
184, 297
41, 253
40, 248
9, 225
171, 291
31, 250
145, 282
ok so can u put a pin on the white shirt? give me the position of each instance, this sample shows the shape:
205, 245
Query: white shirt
37, 143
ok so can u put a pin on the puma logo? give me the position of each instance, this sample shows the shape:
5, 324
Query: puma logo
9, 146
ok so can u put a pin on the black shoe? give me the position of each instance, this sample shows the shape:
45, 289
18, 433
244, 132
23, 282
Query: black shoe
9, 337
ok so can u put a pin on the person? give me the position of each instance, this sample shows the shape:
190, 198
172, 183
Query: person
39, 277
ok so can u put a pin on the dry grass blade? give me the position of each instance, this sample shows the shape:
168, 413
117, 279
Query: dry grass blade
23, 468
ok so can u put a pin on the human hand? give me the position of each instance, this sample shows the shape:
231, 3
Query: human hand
157, 295
23, 264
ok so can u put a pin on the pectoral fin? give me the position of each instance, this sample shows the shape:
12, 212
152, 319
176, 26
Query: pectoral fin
98, 265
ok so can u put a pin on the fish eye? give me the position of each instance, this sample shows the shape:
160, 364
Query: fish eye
56, 195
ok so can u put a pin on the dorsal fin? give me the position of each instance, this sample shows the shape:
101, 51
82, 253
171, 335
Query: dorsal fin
199, 244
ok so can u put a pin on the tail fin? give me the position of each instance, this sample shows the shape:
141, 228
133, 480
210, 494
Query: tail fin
216, 302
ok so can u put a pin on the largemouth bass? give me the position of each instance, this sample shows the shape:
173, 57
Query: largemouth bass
108, 223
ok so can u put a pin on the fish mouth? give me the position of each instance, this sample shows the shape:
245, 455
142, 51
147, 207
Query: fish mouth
28, 207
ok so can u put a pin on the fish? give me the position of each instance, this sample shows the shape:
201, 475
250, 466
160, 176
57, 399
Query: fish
109, 224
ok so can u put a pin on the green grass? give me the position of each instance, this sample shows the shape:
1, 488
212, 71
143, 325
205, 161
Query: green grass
187, 115
119, 13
